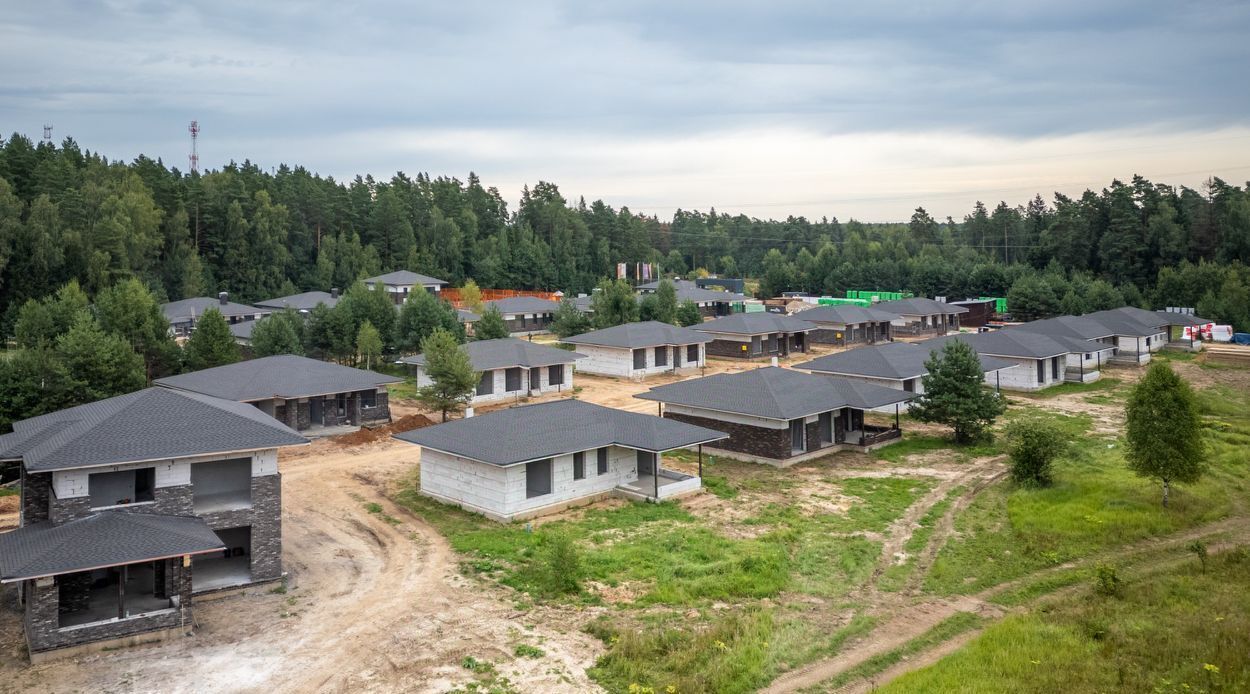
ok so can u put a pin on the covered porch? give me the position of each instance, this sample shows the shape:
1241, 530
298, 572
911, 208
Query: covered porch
655, 483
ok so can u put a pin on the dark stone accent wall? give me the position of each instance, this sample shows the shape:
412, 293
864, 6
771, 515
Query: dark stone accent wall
728, 348
266, 527
42, 616
74, 591
839, 427
36, 496
867, 333
303, 414
533, 325
744, 438
811, 433
379, 414
171, 501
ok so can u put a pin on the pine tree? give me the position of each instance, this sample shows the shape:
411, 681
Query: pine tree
368, 344
453, 380
422, 314
568, 321
613, 304
954, 394
102, 365
211, 344
34, 382
128, 309
278, 334
688, 314
1164, 430
491, 325
666, 302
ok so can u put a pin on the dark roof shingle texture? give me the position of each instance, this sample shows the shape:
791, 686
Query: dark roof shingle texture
404, 278
893, 360
755, 324
150, 424
108, 538
282, 376
506, 352
642, 334
533, 432
774, 393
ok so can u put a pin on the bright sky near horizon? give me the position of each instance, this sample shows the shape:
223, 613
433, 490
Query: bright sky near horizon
862, 110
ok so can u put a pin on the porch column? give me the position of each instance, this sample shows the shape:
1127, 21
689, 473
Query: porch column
121, 592
655, 477
700, 461
896, 415
998, 381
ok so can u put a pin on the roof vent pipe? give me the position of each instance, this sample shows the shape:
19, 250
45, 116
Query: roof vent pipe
223, 298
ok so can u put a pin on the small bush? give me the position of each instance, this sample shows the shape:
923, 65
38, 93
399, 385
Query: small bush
1033, 445
1107, 581
1199, 548
560, 563
524, 650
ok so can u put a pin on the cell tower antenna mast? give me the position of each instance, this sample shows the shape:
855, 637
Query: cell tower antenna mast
194, 129
47, 134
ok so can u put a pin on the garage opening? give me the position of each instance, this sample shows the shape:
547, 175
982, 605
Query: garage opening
230, 567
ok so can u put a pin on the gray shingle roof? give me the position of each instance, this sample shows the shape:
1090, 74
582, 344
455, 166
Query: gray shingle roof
306, 301
507, 352
894, 360
243, 330
108, 538
919, 306
846, 315
1174, 318
404, 278
464, 315
187, 310
690, 291
1127, 323
1074, 327
774, 393
755, 324
523, 304
149, 424
642, 334
532, 432
1019, 343
281, 376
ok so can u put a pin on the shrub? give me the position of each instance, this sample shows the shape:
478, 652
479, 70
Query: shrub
1107, 581
560, 564
1033, 445
524, 650
1199, 548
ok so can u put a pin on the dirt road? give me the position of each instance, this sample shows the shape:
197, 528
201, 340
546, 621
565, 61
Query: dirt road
371, 605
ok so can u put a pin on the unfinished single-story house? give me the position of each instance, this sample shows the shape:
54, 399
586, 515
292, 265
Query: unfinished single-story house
525, 461
980, 312
1040, 360
755, 335
511, 369
183, 315
711, 302
302, 303
1135, 339
242, 332
638, 350
921, 316
132, 505
308, 395
897, 365
848, 325
467, 318
1181, 327
400, 283
780, 416
525, 315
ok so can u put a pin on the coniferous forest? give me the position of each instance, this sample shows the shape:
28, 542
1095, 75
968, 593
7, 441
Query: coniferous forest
69, 214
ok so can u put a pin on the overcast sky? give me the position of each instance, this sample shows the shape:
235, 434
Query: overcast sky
769, 108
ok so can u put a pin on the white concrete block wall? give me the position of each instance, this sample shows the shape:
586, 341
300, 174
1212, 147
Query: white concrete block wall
1023, 376
622, 467
68, 484
475, 485
611, 361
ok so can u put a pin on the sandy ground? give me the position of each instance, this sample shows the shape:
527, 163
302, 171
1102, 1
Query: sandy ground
370, 606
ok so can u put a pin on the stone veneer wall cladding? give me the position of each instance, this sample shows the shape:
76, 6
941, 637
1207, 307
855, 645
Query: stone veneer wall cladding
42, 618
266, 527
744, 438
169, 501
36, 496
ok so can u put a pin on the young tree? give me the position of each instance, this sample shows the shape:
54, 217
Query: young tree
490, 326
471, 296
688, 314
452, 375
360, 304
101, 365
40, 323
1033, 445
278, 334
954, 394
211, 344
1163, 430
666, 302
128, 309
568, 321
34, 382
368, 344
422, 314
613, 304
